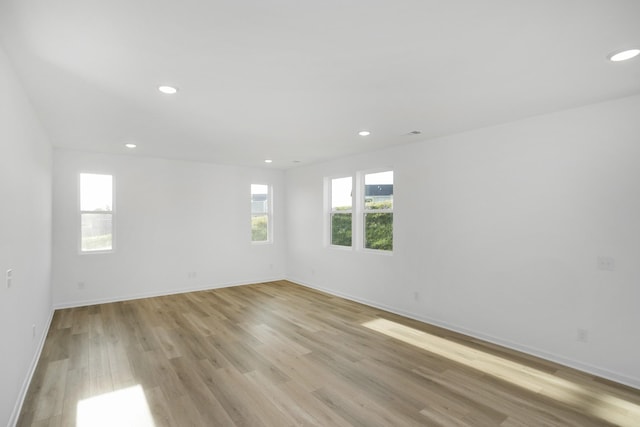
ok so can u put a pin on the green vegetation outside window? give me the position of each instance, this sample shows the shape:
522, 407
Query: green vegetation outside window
378, 211
260, 213
341, 211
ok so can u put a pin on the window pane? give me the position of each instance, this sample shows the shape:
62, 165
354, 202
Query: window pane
96, 192
378, 190
259, 227
378, 231
260, 213
341, 229
259, 199
341, 193
97, 232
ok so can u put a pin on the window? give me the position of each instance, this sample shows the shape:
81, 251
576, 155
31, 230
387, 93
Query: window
378, 211
260, 213
96, 212
341, 211
363, 219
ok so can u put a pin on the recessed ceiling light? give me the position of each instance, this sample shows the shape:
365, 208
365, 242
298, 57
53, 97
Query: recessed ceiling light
268, 161
169, 90
130, 145
364, 133
624, 55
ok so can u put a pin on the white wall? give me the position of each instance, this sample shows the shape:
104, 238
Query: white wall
171, 218
499, 230
25, 239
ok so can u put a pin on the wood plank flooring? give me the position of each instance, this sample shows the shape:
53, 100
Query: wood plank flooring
278, 354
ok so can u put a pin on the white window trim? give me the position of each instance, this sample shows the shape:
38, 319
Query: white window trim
112, 212
269, 214
358, 211
362, 211
330, 211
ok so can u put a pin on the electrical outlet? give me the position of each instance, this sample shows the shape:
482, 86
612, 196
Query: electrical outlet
9, 278
192, 275
33, 331
80, 285
416, 296
582, 335
606, 263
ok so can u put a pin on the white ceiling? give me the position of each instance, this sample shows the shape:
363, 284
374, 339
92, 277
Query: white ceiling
297, 79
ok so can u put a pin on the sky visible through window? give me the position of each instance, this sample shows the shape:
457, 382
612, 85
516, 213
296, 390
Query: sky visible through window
259, 189
341, 192
341, 188
380, 178
96, 192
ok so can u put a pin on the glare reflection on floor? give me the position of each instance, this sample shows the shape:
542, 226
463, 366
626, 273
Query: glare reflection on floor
597, 403
123, 408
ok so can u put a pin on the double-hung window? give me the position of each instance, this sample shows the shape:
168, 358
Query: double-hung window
361, 215
260, 213
96, 212
378, 211
341, 216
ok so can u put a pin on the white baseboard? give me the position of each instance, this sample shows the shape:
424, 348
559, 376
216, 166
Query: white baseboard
594, 370
36, 357
13, 419
151, 294
559, 359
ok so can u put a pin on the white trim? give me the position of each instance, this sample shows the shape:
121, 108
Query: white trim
112, 212
262, 242
584, 367
341, 248
329, 211
382, 252
13, 419
363, 211
542, 354
269, 215
72, 304
357, 210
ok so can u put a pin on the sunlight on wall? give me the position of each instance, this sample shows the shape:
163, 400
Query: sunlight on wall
123, 408
582, 397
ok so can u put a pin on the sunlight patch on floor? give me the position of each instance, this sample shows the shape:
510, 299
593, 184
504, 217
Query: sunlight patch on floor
584, 398
127, 407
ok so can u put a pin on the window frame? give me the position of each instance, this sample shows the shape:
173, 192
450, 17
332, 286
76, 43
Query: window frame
332, 212
269, 215
83, 212
363, 211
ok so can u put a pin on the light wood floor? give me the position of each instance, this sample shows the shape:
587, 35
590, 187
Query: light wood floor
278, 354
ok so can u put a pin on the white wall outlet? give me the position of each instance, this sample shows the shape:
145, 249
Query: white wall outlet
192, 274
80, 285
9, 278
416, 296
33, 331
582, 335
606, 263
